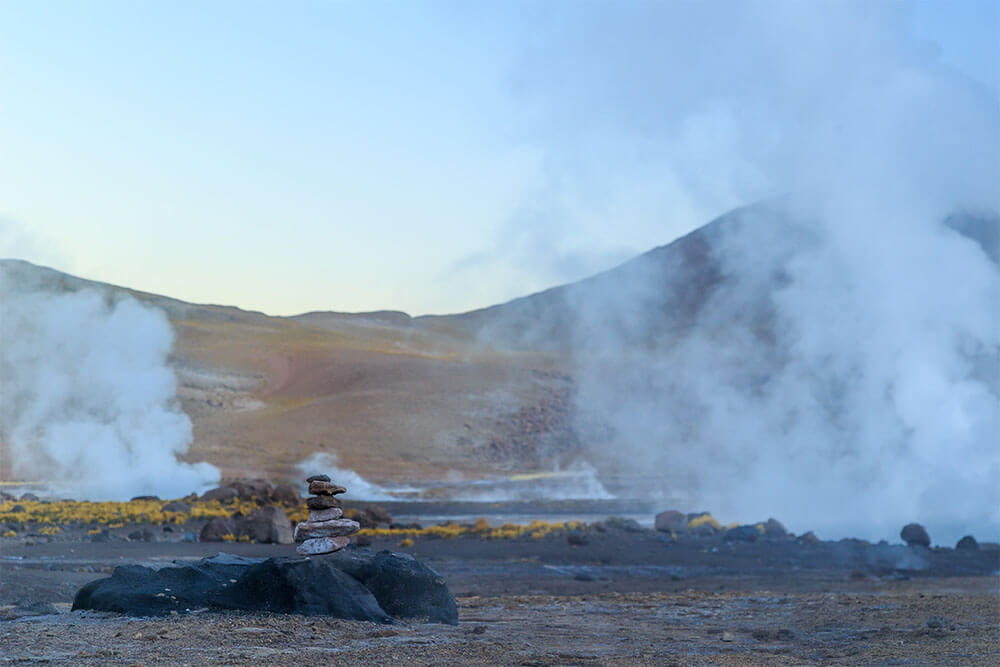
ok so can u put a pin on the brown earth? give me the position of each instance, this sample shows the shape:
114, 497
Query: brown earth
396, 401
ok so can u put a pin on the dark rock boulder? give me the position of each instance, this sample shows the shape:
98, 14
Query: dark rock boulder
286, 494
808, 538
266, 525
143, 591
310, 586
352, 583
223, 494
967, 543
217, 529
378, 514
671, 521
741, 534
774, 529
405, 587
253, 489
915, 534
140, 498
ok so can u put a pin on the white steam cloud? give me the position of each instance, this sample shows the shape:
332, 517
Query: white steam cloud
87, 402
843, 373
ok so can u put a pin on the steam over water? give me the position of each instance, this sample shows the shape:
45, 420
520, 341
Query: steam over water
836, 365
87, 401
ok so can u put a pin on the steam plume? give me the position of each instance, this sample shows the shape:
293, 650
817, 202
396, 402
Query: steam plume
841, 372
87, 402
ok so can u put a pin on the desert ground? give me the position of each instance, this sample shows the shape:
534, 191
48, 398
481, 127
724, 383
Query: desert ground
606, 593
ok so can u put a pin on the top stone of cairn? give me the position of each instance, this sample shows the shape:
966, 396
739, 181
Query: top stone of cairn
317, 478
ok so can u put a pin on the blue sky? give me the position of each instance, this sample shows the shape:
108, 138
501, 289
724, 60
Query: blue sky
428, 157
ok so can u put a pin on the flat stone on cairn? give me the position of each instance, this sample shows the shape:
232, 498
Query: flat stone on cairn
324, 531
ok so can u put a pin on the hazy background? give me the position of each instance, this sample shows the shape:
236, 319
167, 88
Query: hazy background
431, 157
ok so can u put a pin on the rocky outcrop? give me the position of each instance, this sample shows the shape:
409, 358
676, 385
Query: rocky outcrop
353, 583
915, 535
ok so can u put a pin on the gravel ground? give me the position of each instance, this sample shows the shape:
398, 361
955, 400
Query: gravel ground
621, 598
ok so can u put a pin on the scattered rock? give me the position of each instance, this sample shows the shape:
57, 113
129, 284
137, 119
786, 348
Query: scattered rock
139, 498
103, 536
741, 534
577, 539
266, 525
378, 514
17, 508
967, 543
702, 524
915, 534
216, 529
29, 497
936, 622
251, 489
671, 521
223, 494
286, 494
808, 538
621, 523
727, 636
774, 528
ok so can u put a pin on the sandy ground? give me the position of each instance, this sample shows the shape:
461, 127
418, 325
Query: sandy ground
621, 598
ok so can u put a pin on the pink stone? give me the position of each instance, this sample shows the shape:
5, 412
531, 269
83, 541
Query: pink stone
322, 545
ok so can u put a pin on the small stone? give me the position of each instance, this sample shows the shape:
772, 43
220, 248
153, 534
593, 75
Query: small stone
774, 528
727, 636
914, 533
967, 543
326, 515
936, 622
322, 502
322, 545
317, 478
808, 538
321, 488
333, 528
671, 521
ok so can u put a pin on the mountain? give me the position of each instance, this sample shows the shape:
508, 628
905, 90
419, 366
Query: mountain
413, 399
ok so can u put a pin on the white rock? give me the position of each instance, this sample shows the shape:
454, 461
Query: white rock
322, 545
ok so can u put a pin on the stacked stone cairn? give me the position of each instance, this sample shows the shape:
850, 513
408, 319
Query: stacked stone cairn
325, 531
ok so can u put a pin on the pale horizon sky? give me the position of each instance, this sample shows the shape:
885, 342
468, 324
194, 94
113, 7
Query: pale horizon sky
429, 157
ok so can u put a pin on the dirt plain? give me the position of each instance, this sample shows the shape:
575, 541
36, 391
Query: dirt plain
620, 597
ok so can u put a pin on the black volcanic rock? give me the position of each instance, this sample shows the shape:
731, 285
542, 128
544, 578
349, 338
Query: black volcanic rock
914, 533
967, 543
354, 583
310, 586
